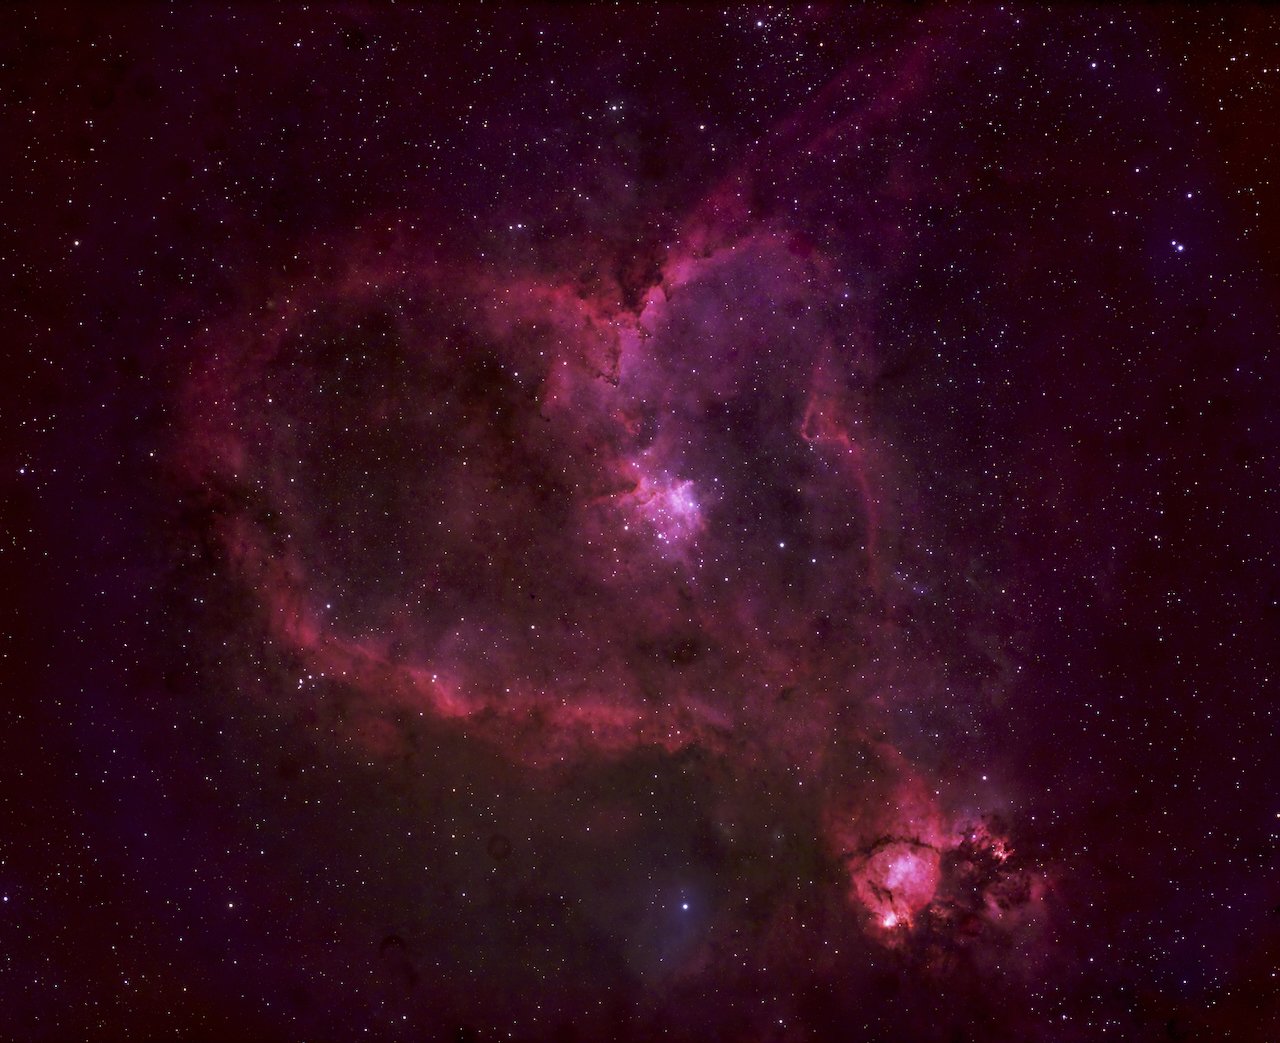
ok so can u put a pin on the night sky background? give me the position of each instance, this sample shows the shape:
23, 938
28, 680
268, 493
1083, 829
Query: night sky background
626, 522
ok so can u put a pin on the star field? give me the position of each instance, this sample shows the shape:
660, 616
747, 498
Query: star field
620, 522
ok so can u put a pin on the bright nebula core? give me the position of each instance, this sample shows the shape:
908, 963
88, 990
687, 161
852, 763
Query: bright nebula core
645, 523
